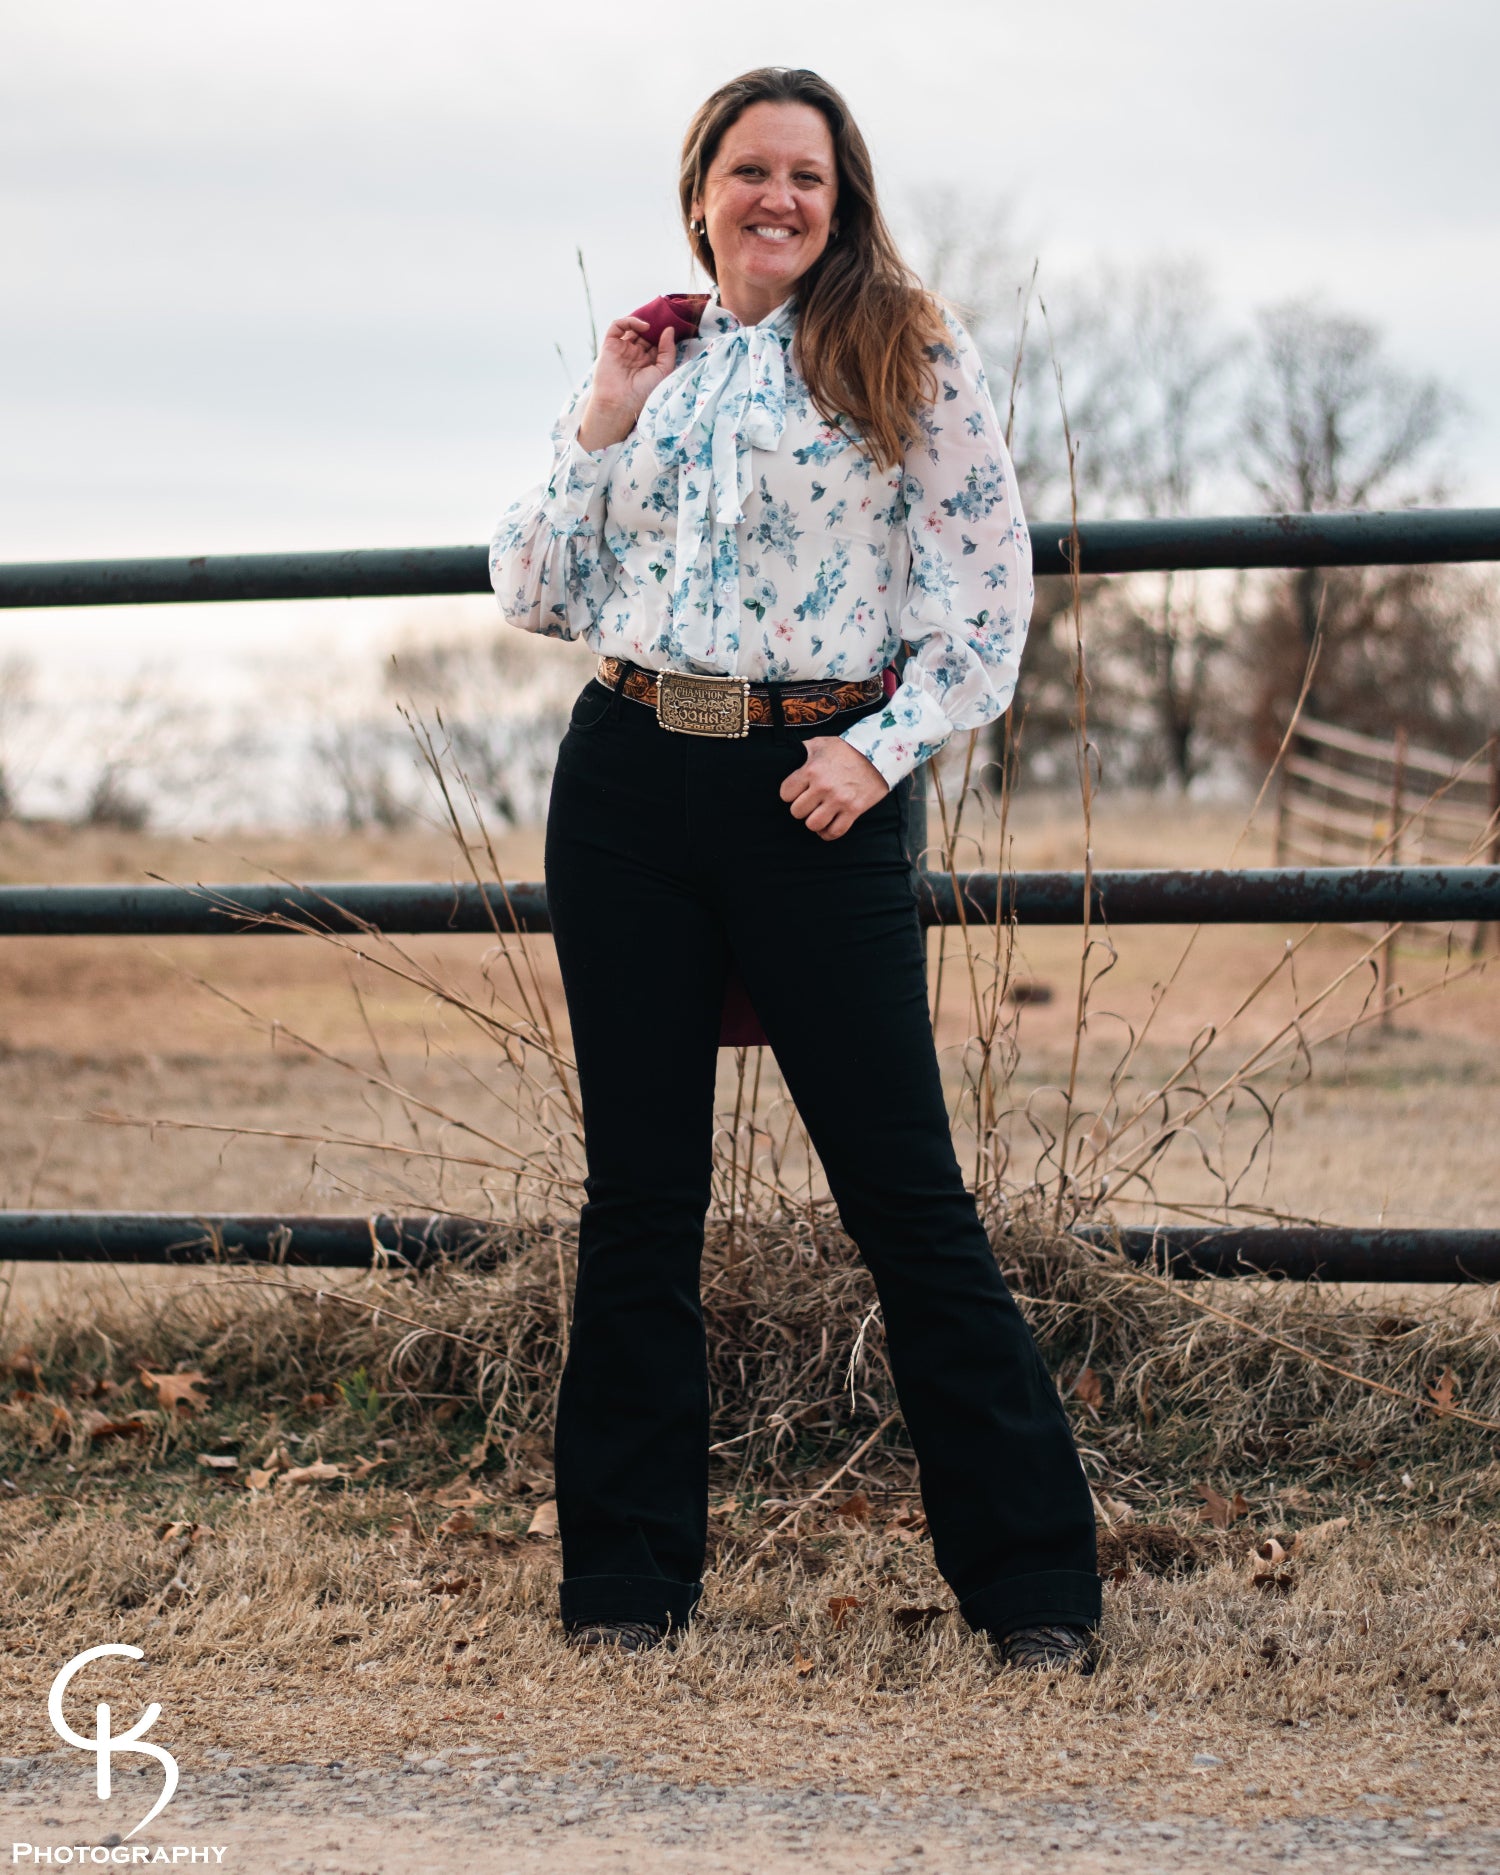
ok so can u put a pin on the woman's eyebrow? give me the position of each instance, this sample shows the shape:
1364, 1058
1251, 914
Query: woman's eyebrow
798, 162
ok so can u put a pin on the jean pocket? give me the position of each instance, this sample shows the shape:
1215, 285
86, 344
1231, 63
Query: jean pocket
591, 706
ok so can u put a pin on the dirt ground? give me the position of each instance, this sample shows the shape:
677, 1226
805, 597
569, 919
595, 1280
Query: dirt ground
463, 1808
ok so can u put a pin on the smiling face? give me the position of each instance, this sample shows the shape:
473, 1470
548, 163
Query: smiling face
768, 202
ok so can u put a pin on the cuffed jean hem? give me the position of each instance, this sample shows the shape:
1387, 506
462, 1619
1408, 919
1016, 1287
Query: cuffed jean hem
1065, 1597
628, 1598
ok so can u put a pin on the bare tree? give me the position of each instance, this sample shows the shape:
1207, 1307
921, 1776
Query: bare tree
1157, 335
17, 701
1329, 422
146, 749
503, 700
368, 762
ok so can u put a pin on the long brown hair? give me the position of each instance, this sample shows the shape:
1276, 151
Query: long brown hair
864, 319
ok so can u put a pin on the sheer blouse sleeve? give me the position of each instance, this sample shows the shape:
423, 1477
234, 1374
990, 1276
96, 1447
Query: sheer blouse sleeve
969, 592
549, 564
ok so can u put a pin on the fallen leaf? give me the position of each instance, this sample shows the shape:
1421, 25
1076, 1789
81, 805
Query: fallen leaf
181, 1532
450, 1409
1114, 1510
854, 1509
1440, 1393
544, 1519
217, 1461
457, 1523
362, 1467
1308, 1539
1219, 1510
453, 1585
917, 1620
840, 1607
800, 1661
315, 1403
1088, 1390
319, 1472
97, 1427
460, 1495
178, 1392
260, 1479
1271, 1568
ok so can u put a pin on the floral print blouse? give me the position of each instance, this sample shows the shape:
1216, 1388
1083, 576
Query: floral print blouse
736, 532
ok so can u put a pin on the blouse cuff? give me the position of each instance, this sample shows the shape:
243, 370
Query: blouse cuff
576, 480
912, 726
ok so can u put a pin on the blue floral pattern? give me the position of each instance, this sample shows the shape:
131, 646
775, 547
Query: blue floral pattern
738, 531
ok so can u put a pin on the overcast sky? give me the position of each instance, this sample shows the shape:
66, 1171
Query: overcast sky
294, 273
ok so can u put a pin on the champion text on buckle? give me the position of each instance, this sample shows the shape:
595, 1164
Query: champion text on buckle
703, 706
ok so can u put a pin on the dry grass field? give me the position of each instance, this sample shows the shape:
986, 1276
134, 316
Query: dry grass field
359, 1666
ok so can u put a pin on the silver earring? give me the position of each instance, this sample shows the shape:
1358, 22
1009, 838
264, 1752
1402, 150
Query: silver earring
695, 227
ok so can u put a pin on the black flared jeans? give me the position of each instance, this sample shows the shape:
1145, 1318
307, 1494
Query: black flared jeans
667, 855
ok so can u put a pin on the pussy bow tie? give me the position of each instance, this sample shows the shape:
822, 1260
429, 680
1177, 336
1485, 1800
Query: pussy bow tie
705, 419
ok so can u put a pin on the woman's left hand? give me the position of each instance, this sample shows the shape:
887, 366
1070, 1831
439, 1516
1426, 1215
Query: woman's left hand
833, 787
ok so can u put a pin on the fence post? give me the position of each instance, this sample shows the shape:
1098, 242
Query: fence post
1492, 845
1282, 787
1392, 856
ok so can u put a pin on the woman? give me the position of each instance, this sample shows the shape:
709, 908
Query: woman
745, 524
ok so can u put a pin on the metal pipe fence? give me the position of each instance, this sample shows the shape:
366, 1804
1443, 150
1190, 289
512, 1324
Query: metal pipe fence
1383, 894
1408, 537
1190, 1252
1271, 895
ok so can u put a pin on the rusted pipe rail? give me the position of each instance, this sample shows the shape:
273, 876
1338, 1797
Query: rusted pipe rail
1187, 1252
1279, 895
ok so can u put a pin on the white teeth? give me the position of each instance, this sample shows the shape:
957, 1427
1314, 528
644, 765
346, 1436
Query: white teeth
773, 234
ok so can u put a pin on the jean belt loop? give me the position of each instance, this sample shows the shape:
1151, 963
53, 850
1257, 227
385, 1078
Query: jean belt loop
778, 715
619, 696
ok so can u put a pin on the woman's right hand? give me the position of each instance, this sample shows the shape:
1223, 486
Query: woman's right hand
627, 371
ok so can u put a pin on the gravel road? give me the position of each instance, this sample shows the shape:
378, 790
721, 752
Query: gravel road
472, 1809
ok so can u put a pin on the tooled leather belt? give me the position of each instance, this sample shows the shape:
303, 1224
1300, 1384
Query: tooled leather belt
731, 706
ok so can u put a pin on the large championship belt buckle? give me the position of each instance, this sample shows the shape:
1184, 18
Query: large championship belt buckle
703, 706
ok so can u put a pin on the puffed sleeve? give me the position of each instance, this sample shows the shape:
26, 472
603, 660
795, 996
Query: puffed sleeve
549, 564
969, 593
